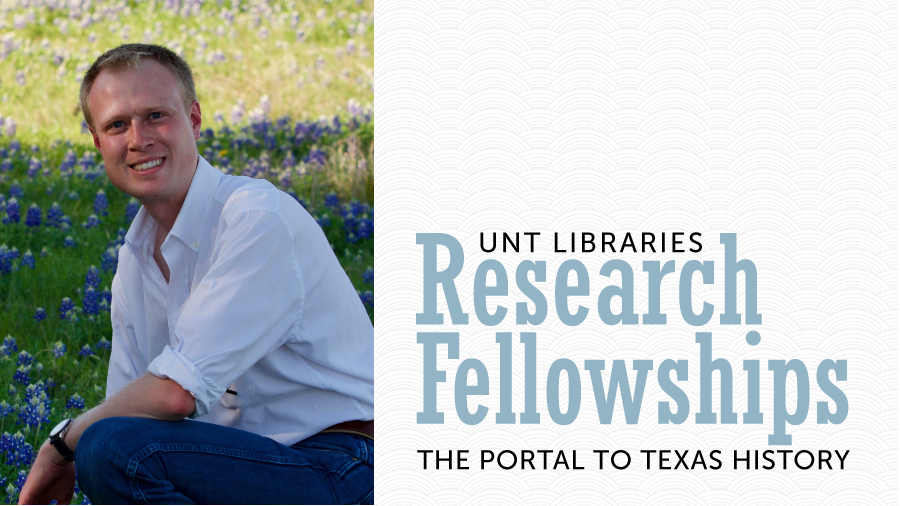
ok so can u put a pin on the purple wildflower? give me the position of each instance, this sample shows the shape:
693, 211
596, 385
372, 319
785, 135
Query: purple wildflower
33, 216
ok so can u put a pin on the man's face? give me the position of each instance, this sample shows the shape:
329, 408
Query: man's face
139, 117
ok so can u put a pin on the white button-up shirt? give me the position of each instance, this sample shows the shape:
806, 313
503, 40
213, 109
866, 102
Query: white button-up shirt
256, 303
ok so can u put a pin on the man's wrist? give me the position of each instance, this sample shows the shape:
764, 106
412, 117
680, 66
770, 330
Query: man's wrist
53, 454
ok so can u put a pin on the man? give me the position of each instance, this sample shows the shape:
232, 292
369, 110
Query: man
229, 308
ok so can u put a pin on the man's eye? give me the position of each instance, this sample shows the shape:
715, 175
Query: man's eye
118, 124
156, 115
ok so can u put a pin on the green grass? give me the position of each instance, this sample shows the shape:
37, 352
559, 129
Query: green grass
47, 118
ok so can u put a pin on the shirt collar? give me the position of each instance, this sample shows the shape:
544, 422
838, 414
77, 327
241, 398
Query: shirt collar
191, 218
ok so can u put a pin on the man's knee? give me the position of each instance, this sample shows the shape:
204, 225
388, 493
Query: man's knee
100, 455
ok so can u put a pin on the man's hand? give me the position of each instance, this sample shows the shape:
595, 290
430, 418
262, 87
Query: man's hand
51, 477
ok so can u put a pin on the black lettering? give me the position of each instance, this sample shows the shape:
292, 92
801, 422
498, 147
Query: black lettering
607, 239
612, 459
500, 460
507, 239
460, 460
838, 453
699, 246
698, 456
746, 460
784, 457
531, 236
812, 459
663, 459
645, 242
628, 243
493, 245
601, 452
712, 455
824, 456
483, 461
648, 453
676, 242
544, 453
438, 459
585, 241
424, 457
767, 459
529, 459
681, 459
561, 456
556, 243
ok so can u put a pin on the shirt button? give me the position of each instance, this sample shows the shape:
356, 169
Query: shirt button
196, 244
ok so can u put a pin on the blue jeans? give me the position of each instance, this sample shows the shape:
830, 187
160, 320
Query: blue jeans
144, 461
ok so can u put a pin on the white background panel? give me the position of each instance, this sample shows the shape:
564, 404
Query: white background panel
774, 120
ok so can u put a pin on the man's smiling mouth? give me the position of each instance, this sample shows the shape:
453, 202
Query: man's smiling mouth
147, 165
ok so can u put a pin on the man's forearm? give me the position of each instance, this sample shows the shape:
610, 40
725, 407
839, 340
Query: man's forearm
145, 397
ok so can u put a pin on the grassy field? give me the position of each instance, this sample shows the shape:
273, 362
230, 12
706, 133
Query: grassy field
286, 91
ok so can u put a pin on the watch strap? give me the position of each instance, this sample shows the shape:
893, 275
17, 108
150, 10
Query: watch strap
60, 444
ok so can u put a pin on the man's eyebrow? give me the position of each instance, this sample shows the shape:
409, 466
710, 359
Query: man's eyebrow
142, 112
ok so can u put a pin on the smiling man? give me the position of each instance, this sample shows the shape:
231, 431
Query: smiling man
242, 359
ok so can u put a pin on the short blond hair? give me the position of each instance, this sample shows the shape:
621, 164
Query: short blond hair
129, 56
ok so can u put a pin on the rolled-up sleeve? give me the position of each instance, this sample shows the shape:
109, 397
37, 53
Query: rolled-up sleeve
246, 306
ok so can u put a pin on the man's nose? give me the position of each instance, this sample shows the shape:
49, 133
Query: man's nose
141, 135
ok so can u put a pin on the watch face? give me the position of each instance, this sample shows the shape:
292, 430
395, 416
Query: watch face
59, 427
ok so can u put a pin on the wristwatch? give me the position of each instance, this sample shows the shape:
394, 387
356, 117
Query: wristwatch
56, 439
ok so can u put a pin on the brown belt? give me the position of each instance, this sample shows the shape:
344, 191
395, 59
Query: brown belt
358, 427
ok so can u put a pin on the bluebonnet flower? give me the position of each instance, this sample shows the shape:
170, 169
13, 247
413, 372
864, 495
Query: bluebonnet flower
10, 343
33, 215
40, 314
85, 351
12, 210
20, 479
289, 161
315, 157
92, 278
357, 221
69, 242
107, 295
331, 200
21, 375
91, 302
44, 251
34, 166
109, 260
367, 299
75, 402
323, 220
28, 259
66, 309
25, 358
5, 264
5, 409
13, 253
11, 390
54, 216
92, 221
368, 276
101, 203
6, 165
35, 410
59, 349
104, 344
73, 195
16, 190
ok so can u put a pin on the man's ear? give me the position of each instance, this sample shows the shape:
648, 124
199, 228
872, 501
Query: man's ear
96, 139
194, 114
